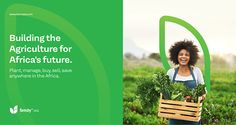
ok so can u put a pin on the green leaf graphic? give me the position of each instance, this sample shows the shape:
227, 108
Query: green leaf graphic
200, 39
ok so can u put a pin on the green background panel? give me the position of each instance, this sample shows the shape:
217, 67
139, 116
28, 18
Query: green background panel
79, 97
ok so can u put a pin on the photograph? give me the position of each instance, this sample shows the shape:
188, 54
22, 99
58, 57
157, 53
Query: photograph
179, 63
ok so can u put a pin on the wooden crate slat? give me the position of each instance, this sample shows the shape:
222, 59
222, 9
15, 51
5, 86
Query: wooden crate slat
180, 117
178, 107
162, 110
179, 102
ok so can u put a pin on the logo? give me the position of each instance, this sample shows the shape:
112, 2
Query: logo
14, 109
20, 109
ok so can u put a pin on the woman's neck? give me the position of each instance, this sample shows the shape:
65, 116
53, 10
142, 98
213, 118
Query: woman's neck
184, 70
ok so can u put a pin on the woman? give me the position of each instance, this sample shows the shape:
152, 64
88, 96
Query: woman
185, 55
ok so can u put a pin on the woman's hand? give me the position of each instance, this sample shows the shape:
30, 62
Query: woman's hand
203, 97
188, 98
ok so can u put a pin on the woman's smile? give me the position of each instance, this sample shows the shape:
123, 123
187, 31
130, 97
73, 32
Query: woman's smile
183, 57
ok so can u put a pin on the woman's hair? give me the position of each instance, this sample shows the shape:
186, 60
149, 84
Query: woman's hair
189, 46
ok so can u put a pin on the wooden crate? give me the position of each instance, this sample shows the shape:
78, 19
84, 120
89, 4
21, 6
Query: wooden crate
180, 110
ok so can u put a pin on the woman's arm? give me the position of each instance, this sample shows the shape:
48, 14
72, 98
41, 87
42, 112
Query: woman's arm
199, 75
170, 73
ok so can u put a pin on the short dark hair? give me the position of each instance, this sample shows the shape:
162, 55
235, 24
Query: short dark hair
189, 46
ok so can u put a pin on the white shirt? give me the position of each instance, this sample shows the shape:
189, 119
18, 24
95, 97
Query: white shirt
196, 71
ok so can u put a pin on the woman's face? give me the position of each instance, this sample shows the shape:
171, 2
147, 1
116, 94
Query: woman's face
183, 57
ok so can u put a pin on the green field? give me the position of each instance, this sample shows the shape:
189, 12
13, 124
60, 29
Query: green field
218, 109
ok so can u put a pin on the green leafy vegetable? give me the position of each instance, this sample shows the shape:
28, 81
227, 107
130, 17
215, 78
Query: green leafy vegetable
178, 91
149, 93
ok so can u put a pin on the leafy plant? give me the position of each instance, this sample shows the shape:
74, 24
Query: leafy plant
178, 91
163, 82
149, 92
198, 91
